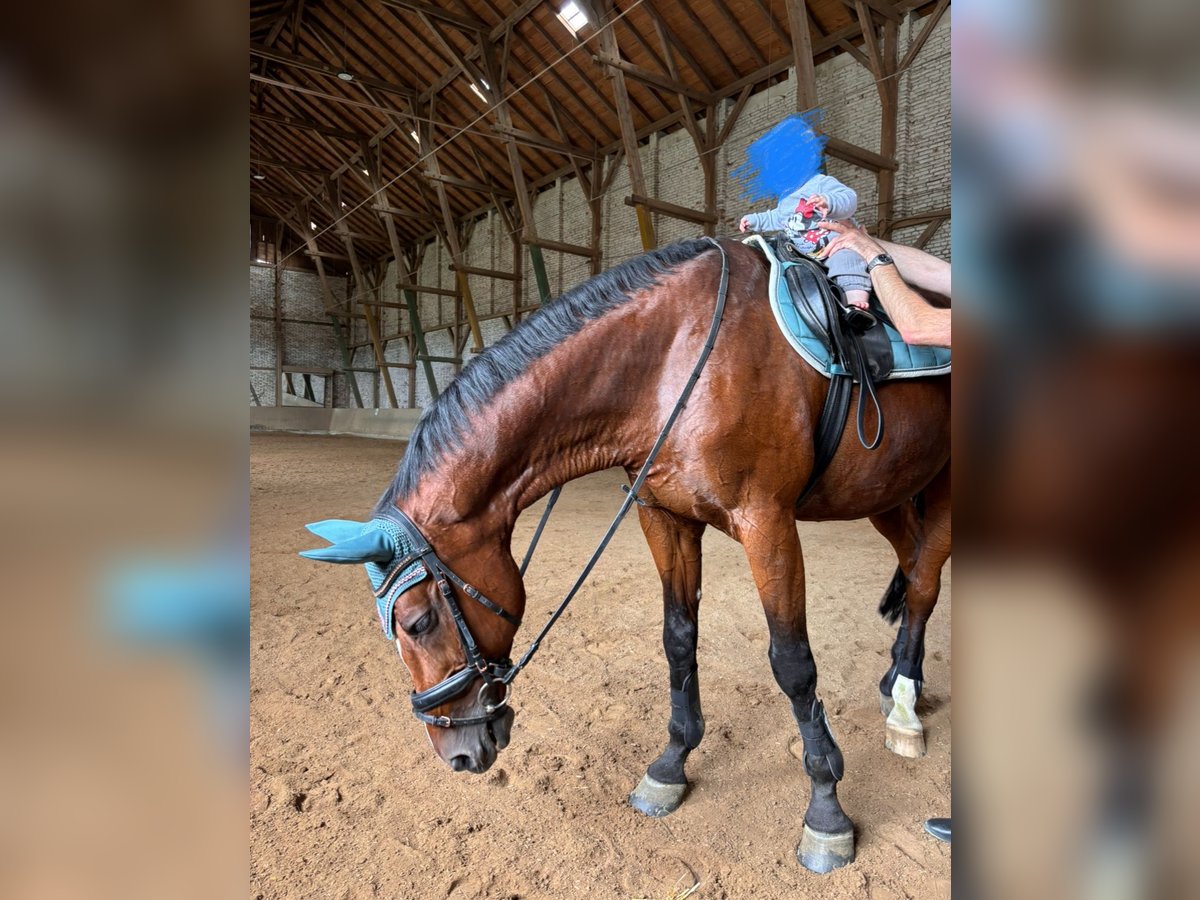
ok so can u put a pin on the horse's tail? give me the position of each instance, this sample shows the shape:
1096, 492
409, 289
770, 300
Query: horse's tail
892, 603
894, 598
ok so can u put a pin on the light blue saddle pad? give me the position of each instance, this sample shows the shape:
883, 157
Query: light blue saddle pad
910, 360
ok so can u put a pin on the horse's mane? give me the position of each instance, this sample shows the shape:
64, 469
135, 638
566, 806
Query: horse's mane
442, 425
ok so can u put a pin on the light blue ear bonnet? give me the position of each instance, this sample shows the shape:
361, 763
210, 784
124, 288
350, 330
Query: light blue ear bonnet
381, 546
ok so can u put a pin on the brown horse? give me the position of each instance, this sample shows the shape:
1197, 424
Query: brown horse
586, 384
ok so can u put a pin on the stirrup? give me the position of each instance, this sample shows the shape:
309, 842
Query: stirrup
860, 320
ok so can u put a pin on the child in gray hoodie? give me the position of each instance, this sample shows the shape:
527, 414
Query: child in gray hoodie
800, 214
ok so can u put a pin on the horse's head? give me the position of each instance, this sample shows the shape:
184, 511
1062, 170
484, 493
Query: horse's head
438, 608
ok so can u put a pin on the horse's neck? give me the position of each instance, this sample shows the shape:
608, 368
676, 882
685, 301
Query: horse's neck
566, 416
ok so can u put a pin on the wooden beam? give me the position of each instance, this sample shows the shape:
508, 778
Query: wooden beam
468, 185
888, 86
438, 12
867, 28
573, 249
543, 143
734, 114
860, 156
856, 53
928, 233
309, 125
680, 48
802, 54
919, 41
633, 160
732, 21
289, 166
885, 9
653, 78
484, 273
287, 60
931, 216
426, 289
670, 209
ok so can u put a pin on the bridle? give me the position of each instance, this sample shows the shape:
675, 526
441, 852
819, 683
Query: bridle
499, 674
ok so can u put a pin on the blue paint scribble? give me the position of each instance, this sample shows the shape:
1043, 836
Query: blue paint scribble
782, 159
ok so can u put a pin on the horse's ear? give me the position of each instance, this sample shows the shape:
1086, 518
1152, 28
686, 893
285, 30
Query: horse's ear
335, 530
374, 546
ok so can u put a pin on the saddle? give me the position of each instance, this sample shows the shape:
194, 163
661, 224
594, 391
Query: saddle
845, 344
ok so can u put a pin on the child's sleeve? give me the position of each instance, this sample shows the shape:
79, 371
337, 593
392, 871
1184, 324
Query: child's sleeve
774, 219
843, 201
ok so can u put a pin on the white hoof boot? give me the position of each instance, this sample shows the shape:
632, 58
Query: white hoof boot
905, 735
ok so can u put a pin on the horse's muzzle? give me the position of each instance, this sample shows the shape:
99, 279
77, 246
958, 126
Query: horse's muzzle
475, 748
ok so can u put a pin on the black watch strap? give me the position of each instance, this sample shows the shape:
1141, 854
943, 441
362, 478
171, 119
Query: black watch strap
881, 260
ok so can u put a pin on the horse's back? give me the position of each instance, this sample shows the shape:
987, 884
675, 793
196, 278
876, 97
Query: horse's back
752, 422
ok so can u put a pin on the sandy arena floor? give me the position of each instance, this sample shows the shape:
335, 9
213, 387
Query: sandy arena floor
348, 801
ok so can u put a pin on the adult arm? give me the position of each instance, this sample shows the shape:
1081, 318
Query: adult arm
920, 269
917, 321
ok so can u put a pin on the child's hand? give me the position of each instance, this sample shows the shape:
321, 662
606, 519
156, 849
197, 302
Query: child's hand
744, 225
819, 204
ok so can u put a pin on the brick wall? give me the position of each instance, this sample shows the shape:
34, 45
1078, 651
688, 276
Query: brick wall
851, 108
313, 345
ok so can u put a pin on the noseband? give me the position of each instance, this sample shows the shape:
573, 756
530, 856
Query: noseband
498, 674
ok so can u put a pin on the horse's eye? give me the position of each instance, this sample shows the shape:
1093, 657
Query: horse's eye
421, 625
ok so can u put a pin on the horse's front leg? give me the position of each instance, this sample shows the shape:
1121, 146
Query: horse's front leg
675, 544
773, 549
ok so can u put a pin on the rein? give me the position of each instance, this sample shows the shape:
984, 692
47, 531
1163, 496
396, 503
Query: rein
500, 673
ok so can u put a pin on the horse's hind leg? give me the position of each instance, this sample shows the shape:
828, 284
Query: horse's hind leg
773, 549
675, 544
924, 543
902, 527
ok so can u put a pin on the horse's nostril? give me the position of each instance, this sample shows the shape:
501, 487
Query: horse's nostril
460, 763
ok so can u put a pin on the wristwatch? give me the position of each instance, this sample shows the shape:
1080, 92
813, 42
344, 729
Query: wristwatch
881, 260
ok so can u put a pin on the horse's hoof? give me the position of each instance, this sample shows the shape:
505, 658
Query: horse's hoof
906, 742
819, 852
905, 735
885, 704
655, 798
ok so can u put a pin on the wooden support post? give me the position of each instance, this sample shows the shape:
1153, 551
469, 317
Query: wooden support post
347, 364
449, 230
889, 96
278, 331
539, 273
361, 287
406, 278
637, 179
802, 53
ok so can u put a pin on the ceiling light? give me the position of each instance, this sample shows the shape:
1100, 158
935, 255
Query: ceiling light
478, 92
343, 204
572, 17
416, 139
345, 76
258, 176
365, 172
312, 225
